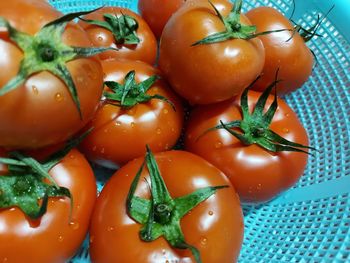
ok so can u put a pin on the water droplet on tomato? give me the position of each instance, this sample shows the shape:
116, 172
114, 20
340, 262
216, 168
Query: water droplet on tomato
5, 260
35, 90
74, 225
258, 187
204, 240
72, 156
92, 238
103, 150
210, 213
58, 97
118, 123
60, 238
110, 229
285, 130
159, 131
172, 129
218, 145
167, 147
99, 38
94, 148
132, 124
287, 115
165, 111
80, 79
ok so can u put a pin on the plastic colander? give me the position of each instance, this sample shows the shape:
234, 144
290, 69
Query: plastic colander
310, 222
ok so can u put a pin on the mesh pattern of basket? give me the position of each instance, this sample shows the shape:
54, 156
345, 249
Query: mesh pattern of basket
310, 222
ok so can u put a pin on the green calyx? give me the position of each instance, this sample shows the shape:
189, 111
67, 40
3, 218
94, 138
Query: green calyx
131, 93
25, 185
234, 29
122, 27
254, 128
45, 51
161, 215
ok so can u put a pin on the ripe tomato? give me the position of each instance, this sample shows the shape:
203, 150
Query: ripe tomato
293, 58
157, 12
53, 237
41, 111
214, 227
145, 50
121, 133
207, 73
257, 174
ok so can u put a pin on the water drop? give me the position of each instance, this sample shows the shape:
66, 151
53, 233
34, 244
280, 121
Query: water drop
5, 260
74, 225
92, 238
172, 129
163, 251
218, 145
165, 111
258, 187
167, 147
132, 124
58, 97
285, 130
103, 150
80, 79
35, 90
118, 123
159, 130
110, 229
287, 115
204, 240
210, 213
100, 38
105, 130
94, 148
60, 239
72, 156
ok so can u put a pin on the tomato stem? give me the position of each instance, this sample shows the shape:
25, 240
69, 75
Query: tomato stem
161, 215
45, 51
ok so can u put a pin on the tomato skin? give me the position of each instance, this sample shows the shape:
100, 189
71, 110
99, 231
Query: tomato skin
145, 51
41, 111
210, 73
120, 135
215, 226
293, 58
257, 174
53, 238
157, 13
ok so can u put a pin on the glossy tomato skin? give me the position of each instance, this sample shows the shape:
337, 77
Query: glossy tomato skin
53, 238
257, 174
41, 111
215, 226
293, 58
157, 12
210, 73
145, 51
119, 134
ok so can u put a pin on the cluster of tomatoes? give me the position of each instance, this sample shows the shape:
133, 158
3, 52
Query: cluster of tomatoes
73, 92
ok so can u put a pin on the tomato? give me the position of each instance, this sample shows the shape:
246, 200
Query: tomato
282, 51
41, 111
54, 237
121, 133
145, 50
257, 174
157, 12
214, 227
212, 72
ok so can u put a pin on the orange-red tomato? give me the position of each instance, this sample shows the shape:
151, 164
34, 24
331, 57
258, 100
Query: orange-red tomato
157, 12
207, 73
120, 134
214, 227
41, 111
145, 50
289, 54
257, 174
53, 237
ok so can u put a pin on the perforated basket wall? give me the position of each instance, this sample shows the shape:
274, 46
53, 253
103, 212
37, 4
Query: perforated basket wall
311, 222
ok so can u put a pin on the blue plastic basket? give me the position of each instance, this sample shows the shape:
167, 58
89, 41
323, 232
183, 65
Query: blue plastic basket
311, 222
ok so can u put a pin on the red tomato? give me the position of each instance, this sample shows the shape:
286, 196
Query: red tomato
53, 237
145, 50
214, 227
157, 12
41, 111
257, 174
293, 58
120, 134
207, 73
